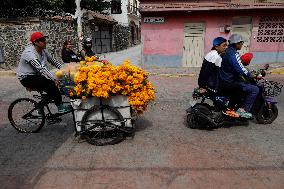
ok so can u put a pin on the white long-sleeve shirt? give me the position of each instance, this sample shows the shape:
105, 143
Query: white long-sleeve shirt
32, 63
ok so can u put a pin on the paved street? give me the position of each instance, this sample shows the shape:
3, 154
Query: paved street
116, 58
163, 154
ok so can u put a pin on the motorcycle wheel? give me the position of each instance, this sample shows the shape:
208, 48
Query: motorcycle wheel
195, 121
266, 114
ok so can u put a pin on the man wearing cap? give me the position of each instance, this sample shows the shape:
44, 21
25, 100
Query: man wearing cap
208, 76
231, 72
33, 73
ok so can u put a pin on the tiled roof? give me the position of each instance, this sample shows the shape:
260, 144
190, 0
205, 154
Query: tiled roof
100, 18
221, 5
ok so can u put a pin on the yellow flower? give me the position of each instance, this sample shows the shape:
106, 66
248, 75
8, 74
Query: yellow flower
71, 93
93, 58
59, 74
103, 79
88, 59
82, 63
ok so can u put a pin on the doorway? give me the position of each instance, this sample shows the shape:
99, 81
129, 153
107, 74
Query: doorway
243, 26
193, 48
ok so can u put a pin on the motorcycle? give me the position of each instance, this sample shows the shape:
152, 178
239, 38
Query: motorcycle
209, 111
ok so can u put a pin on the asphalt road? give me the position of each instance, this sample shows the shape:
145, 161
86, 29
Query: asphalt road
163, 154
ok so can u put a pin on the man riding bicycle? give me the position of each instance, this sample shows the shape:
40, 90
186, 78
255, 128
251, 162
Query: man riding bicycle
33, 73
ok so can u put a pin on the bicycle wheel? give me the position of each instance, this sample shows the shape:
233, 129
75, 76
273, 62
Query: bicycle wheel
103, 129
24, 117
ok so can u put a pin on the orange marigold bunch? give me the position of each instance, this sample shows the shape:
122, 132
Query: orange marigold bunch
100, 81
140, 99
106, 80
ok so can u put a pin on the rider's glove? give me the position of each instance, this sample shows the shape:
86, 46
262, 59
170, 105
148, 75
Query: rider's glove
258, 77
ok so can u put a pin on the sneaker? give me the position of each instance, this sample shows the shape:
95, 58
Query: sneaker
231, 113
37, 112
244, 113
64, 108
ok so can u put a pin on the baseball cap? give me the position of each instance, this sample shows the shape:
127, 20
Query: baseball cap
218, 41
36, 35
235, 38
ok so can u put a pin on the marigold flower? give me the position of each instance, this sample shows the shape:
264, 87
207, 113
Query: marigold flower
104, 80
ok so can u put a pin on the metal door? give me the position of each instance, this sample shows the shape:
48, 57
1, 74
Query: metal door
103, 39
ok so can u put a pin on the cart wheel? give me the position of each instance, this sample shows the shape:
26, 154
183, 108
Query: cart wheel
102, 127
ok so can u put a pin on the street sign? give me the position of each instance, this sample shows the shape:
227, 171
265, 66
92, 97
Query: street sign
154, 20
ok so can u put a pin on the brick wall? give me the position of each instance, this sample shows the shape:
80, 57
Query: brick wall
121, 37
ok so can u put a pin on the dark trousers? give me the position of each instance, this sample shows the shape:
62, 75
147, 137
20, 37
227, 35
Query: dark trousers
233, 91
41, 83
251, 92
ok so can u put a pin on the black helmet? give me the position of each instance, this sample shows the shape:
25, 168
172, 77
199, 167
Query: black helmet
87, 40
87, 43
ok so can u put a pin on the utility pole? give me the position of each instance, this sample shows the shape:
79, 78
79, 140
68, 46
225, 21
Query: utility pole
78, 15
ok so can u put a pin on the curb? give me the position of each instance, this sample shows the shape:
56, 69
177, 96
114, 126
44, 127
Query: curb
172, 75
7, 73
277, 71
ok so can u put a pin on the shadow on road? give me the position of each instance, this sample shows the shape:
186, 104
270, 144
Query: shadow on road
24, 155
142, 123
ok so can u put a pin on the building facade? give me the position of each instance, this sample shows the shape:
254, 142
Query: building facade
126, 13
179, 33
114, 31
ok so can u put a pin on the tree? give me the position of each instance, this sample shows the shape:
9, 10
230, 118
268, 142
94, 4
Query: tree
45, 8
95, 5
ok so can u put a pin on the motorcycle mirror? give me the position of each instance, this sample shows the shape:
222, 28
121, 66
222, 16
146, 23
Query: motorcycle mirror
266, 66
263, 73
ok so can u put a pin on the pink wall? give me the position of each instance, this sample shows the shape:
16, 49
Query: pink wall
163, 39
167, 38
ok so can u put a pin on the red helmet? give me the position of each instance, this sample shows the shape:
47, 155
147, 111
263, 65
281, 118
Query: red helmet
246, 58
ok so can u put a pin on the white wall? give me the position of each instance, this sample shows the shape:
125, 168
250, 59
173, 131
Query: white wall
134, 18
123, 17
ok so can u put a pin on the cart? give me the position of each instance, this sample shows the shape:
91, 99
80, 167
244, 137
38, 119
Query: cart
103, 121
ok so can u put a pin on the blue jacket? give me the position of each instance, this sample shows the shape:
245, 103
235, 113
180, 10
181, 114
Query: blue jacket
232, 68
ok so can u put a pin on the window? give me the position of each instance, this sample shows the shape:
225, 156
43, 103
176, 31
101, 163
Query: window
116, 7
271, 29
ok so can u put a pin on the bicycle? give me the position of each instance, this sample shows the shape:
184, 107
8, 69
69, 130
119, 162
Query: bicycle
99, 125
32, 117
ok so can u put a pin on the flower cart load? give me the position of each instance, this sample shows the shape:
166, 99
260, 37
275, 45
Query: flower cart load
106, 91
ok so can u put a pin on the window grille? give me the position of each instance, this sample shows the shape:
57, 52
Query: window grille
271, 29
